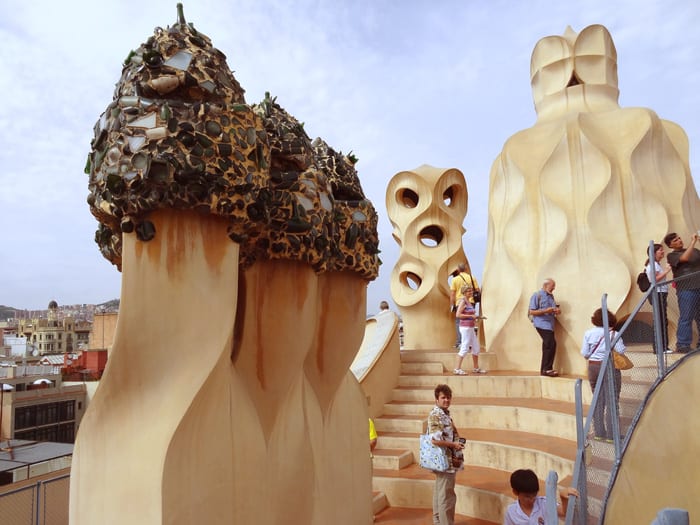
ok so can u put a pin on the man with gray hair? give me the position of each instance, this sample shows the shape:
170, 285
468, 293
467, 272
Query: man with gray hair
543, 309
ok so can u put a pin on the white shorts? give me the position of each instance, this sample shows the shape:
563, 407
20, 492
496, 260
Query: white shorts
470, 343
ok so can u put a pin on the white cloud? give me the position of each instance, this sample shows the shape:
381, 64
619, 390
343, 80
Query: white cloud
399, 83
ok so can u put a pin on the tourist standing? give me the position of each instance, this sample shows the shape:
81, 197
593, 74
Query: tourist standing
460, 278
543, 309
444, 434
657, 274
593, 349
685, 263
466, 315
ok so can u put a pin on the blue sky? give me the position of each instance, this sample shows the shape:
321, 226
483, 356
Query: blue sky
400, 83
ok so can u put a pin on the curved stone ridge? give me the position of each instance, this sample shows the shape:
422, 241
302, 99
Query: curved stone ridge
179, 134
577, 197
426, 207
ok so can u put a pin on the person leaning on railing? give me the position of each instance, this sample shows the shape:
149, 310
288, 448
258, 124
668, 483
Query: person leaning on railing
685, 262
658, 274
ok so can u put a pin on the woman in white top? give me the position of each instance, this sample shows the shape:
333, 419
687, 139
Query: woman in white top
593, 349
658, 274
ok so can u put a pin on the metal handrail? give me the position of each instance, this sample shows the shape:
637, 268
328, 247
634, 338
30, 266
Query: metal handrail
607, 375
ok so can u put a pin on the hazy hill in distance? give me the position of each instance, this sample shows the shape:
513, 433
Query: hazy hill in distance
112, 304
8, 312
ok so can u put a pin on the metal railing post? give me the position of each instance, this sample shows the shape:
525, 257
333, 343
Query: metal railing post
579, 474
656, 314
38, 503
552, 497
609, 374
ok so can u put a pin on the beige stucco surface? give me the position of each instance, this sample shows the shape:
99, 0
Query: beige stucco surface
426, 206
660, 466
377, 365
103, 329
577, 197
257, 421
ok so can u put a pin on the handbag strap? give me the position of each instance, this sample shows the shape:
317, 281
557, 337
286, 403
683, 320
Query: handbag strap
471, 280
612, 334
596, 345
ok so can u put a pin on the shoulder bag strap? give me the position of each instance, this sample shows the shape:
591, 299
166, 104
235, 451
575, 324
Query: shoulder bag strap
612, 336
597, 345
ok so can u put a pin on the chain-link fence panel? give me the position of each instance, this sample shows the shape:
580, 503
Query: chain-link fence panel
54, 501
42, 503
658, 333
18, 507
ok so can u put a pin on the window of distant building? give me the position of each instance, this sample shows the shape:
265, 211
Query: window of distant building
67, 410
52, 412
46, 422
25, 417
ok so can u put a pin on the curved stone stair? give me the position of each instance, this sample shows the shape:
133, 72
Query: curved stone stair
511, 420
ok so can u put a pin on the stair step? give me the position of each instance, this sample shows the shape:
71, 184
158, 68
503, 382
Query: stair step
410, 424
636, 390
422, 368
422, 408
417, 356
411, 516
379, 502
394, 459
447, 358
511, 438
495, 383
642, 356
556, 418
508, 449
482, 493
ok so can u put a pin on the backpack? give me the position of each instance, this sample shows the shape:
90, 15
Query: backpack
529, 315
643, 281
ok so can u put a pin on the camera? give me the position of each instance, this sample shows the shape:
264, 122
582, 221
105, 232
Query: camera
458, 455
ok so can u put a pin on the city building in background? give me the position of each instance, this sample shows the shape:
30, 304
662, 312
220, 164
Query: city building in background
54, 334
35, 404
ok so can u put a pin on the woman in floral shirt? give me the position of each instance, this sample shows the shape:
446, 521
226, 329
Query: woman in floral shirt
444, 434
